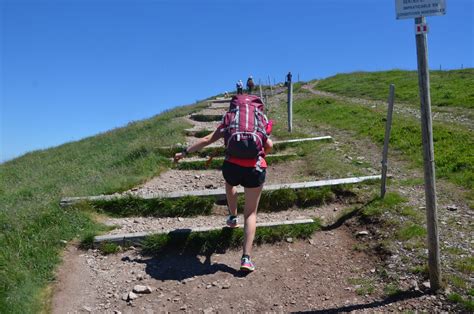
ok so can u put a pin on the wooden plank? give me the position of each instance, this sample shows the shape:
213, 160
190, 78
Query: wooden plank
300, 140
220, 193
275, 143
222, 158
136, 237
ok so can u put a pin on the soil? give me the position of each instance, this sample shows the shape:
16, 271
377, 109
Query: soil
324, 274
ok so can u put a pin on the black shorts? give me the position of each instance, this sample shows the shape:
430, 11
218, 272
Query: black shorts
247, 177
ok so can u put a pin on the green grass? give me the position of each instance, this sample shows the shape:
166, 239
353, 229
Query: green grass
465, 265
454, 146
221, 240
391, 202
31, 221
411, 231
133, 206
467, 303
448, 88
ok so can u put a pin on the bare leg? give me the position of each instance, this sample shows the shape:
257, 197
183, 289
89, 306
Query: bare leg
231, 194
252, 197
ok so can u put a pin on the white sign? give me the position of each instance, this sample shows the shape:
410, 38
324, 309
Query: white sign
408, 9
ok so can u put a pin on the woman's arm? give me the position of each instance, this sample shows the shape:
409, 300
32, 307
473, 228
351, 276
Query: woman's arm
201, 143
268, 146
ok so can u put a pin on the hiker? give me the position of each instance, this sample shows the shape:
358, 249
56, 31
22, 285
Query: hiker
250, 84
240, 87
247, 143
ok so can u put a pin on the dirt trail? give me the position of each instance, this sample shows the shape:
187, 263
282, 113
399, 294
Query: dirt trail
321, 274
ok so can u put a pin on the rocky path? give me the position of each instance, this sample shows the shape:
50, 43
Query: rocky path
322, 274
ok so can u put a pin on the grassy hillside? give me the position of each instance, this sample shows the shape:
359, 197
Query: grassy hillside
32, 224
448, 88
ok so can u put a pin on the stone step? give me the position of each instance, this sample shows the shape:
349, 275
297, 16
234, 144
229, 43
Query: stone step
219, 194
137, 237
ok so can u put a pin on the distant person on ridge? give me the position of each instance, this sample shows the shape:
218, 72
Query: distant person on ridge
246, 138
240, 87
250, 84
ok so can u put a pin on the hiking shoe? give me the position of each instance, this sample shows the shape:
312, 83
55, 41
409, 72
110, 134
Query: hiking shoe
231, 221
246, 264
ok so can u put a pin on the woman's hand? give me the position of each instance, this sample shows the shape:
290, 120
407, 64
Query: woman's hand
178, 156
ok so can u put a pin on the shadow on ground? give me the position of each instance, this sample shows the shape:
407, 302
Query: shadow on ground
401, 296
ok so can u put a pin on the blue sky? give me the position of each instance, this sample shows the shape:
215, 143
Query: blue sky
71, 69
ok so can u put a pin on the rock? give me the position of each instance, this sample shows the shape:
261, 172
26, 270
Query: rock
335, 209
289, 240
125, 297
132, 296
372, 270
63, 241
209, 186
362, 233
87, 309
141, 289
225, 285
215, 283
197, 176
452, 208
426, 285
180, 219
136, 221
311, 241
117, 312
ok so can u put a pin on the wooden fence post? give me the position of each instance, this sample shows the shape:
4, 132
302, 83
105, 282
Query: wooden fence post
388, 127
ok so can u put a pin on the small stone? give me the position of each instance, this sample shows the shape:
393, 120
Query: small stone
184, 307
311, 241
87, 309
293, 302
226, 285
209, 186
335, 209
125, 297
117, 312
141, 289
452, 208
362, 233
208, 286
63, 241
132, 296
197, 176
215, 283
289, 240
426, 284
180, 219
372, 270
136, 221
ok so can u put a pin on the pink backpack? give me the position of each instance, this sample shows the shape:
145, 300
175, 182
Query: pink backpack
245, 127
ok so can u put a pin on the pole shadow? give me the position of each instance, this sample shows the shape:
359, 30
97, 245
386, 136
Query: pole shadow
401, 296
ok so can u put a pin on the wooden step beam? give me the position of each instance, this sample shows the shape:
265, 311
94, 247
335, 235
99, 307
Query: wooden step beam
137, 237
219, 194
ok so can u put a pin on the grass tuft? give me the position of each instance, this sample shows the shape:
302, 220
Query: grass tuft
133, 206
221, 240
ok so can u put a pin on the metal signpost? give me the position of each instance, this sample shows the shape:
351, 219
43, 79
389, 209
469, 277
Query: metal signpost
419, 9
